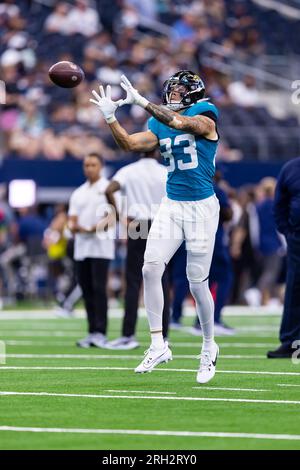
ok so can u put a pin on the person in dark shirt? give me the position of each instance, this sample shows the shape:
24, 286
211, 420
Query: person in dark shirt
221, 275
287, 219
269, 243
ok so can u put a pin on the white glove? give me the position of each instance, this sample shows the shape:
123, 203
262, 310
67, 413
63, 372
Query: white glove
133, 96
106, 104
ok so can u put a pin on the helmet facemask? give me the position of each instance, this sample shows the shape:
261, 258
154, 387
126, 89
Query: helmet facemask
174, 87
187, 85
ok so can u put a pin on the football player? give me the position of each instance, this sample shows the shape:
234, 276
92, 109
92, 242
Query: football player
185, 129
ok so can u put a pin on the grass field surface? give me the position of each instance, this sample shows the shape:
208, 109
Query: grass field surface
54, 395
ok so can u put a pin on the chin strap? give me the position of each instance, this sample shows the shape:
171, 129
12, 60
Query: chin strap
176, 106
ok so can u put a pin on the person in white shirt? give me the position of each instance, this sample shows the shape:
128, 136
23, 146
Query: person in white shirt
94, 247
69, 19
57, 21
83, 19
244, 93
142, 185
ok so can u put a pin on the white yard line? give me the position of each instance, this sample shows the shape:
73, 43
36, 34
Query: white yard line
259, 328
11, 342
160, 369
257, 334
34, 315
33, 334
119, 356
234, 389
287, 385
245, 311
143, 432
141, 391
141, 397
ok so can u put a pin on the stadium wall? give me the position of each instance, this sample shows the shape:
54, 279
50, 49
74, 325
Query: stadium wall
68, 173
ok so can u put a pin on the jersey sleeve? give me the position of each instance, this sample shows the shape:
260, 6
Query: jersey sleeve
121, 177
206, 108
153, 125
73, 205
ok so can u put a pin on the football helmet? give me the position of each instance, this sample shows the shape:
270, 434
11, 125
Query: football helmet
189, 86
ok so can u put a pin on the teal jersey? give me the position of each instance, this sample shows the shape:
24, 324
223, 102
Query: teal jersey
190, 159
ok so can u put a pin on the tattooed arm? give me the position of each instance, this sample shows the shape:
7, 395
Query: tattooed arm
139, 142
199, 125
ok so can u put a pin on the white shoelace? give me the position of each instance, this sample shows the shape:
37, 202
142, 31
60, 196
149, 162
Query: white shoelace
205, 361
147, 353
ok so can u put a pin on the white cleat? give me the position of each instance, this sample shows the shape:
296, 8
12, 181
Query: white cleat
207, 369
153, 357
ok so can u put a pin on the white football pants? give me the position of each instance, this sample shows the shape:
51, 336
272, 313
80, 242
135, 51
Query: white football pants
195, 222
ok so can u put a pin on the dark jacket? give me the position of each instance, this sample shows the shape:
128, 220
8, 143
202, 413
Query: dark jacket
287, 199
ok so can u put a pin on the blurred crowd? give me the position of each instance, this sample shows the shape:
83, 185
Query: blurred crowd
149, 41
36, 252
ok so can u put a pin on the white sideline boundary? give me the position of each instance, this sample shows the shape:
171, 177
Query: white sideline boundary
142, 397
75, 333
70, 334
120, 356
143, 432
162, 369
176, 344
117, 312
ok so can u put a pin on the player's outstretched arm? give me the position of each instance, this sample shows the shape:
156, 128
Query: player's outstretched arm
139, 142
200, 125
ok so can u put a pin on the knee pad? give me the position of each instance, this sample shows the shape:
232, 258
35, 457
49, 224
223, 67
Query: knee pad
153, 270
196, 272
153, 265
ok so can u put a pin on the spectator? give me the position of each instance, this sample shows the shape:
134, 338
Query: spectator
269, 243
287, 218
185, 27
31, 226
244, 93
58, 21
92, 252
100, 47
29, 43
31, 120
146, 9
83, 19
243, 241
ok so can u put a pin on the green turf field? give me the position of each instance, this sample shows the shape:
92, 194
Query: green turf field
56, 396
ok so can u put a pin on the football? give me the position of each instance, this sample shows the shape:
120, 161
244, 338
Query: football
66, 74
